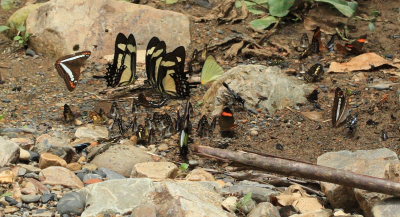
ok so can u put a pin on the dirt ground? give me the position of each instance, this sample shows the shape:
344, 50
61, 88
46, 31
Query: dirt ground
42, 95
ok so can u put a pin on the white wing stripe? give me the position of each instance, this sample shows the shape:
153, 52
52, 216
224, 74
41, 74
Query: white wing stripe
68, 71
73, 58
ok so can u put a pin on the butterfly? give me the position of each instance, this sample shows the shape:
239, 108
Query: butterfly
123, 69
314, 46
340, 109
211, 70
69, 67
155, 51
355, 48
314, 74
226, 123
68, 114
185, 131
165, 71
205, 129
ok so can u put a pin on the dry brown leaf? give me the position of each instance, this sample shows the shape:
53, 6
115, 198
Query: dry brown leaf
364, 61
314, 115
234, 50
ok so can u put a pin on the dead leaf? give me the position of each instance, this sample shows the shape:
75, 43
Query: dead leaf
364, 61
313, 115
234, 50
244, 13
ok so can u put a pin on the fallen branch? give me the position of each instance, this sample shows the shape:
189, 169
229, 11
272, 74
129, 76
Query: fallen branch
305, 170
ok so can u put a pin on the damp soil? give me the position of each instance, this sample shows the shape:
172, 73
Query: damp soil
33, 94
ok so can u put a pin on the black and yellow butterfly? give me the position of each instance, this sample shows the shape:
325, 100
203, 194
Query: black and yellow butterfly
123, 69
165, 71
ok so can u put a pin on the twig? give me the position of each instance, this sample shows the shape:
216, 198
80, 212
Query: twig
305, 170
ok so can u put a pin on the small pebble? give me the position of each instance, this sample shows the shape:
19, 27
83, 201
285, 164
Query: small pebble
254, 133
30, 198
11, 201
30, 52
45, 198
21, 171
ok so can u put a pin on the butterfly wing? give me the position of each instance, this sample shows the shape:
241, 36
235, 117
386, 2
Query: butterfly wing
314, 73
151, 46
68, 67
115, 70
154, 55
211, 70
128, 74
340, 107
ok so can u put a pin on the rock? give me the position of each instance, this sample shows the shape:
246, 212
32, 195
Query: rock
163, 147
307, 204
245, 205
392, 172
387, 208
230, 204
366, 162
45, 198
92, 131
121, 158
199, 175
318, 213
260, 192
249, 81
24, 143
47, 160
9, 152
7, 176
30, 168
253, 132
74, 166
56, 36
19, 17
264, 209
90, 167
155, 170
90, 176
10, 209
46, 141
109, 174
24, 155
29, 188
166, 198
30, 198
11, 201
60, 176
341, 213
72, 203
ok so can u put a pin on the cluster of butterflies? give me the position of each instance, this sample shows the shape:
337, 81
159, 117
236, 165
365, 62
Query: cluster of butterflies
316, 46
158, 126
165, 71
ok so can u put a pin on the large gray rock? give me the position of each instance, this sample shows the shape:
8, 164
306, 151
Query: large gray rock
366, 162
9, 152
57, 144
141, 195
255, 84
59, 26
121, 158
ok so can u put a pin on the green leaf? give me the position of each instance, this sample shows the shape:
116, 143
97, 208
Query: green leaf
184, 167
1, 117
255, 11
280, 8
346, 8
4, 28
21, 28
263, 23
169, 2
245, 200
17, 37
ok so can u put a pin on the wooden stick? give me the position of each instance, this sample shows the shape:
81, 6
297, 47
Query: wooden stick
305, 170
